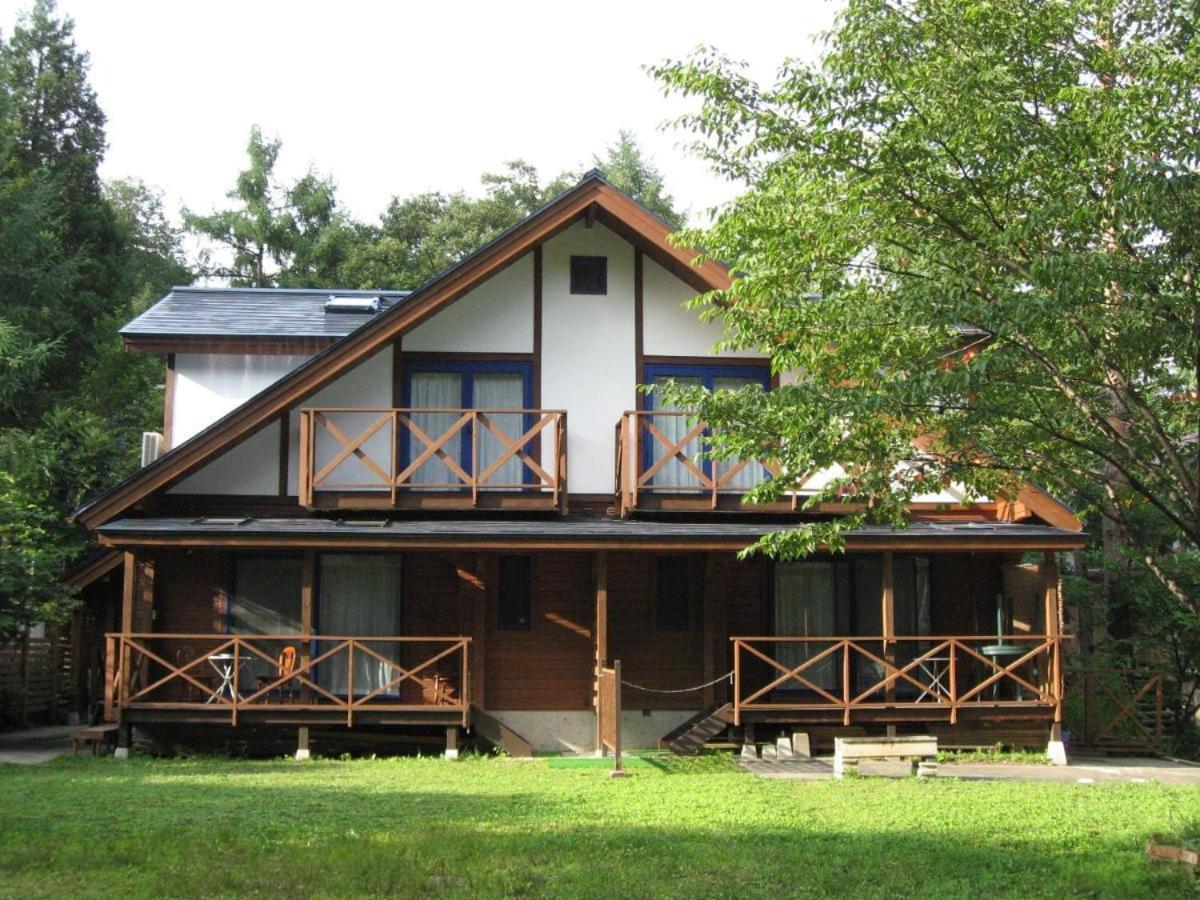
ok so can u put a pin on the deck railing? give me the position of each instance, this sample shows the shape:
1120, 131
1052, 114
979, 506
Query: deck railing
287, 674
938, 675
658, 456
478, 455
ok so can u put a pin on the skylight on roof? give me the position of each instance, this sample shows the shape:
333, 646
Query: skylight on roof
360, 305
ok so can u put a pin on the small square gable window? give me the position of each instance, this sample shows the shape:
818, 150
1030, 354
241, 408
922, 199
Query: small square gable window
589, 274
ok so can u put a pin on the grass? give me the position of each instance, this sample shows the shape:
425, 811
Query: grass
497, 827
997, 754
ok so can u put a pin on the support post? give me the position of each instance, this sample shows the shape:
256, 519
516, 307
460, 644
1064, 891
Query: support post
601, 580
128, 598
451, 742
302, 744
308, 577
1056, 751
887, 617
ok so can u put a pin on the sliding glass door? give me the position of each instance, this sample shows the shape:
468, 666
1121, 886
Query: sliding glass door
446, 388
843, 597
675, 473
359, 597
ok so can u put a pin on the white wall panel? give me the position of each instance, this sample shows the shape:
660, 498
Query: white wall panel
496, 317
368, 384
588, 365
251, 468
209, 385
669, 327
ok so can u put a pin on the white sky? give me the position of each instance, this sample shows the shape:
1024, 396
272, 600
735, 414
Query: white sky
396, 98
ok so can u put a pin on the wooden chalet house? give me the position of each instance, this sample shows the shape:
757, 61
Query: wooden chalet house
442, 511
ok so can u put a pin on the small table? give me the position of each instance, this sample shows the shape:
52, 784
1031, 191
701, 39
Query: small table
224, 664
1000, 651
935, 668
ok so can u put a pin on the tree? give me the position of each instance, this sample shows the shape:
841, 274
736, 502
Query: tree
44, 474
625, 166
59, 251
422, 235
276, 234
972, 228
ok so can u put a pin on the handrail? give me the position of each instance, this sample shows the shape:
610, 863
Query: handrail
297, 690
950, 673
400, 428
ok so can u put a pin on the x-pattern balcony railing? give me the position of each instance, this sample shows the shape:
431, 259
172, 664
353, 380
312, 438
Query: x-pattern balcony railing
480, 453
854, 674
247, 673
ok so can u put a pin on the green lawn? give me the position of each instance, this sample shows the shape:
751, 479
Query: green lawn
504, 827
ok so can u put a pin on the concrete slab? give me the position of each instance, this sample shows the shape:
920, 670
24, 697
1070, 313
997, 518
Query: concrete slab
34, 745
1080, 770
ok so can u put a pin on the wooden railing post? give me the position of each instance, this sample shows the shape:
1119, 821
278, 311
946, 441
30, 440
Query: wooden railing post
474, 439
237, 677
394, 469
635, 458
302, 467
466, 683
1158, 711
350, 683
616, 716
846, 681
737, 682
953, 682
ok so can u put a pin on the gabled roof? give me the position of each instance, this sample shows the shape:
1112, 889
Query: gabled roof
215, 312
593, 196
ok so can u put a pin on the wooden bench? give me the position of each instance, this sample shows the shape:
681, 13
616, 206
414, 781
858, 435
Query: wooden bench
920, 749
96, 735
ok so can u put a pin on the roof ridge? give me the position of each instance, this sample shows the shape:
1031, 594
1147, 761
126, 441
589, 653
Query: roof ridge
193, 288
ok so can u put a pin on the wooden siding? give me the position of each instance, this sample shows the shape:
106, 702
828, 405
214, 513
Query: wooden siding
651, 656
550, 665
190, 593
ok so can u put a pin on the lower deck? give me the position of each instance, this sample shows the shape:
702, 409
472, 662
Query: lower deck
252, 638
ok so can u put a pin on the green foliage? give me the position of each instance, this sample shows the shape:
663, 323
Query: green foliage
77, 260
59, 251
1009, 183
276, 234
511, 828
625, 166
422, 235
44, 474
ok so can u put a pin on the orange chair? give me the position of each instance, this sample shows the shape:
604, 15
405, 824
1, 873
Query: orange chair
285, 666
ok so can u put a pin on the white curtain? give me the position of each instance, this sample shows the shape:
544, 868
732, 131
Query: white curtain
435, 390
673, 474
753, 472
500, 390
360, 597
806, 606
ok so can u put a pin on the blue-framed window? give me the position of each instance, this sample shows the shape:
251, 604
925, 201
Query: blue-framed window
675, 474
460, 385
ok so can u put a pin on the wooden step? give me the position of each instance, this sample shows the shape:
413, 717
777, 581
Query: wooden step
690, 736
498, 734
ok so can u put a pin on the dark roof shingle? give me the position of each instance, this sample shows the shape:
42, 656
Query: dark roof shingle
252, 312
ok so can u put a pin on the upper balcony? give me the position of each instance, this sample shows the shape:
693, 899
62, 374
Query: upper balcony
658, 467
388, 458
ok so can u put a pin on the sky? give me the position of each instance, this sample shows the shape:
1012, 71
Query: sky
398, 98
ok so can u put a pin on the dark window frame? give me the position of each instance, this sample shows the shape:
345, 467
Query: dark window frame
589, 275
678, 618
505, 619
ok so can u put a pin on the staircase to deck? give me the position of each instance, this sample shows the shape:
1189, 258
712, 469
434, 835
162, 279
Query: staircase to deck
499, 735
697, 731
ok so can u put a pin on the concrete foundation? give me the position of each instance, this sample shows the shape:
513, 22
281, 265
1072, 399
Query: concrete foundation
574, 731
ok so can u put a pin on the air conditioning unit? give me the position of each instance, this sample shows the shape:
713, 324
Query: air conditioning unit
152, 446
